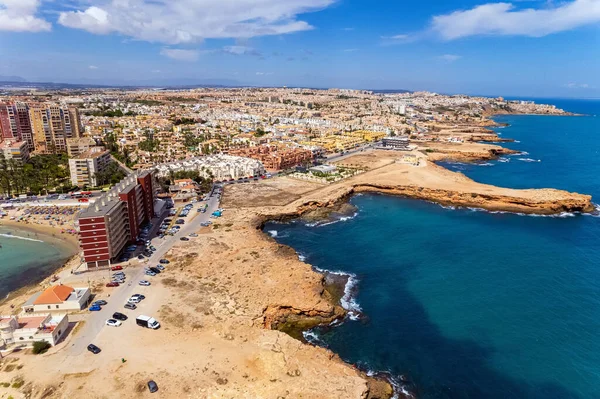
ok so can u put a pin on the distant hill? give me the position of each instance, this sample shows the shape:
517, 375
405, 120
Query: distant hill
12, 79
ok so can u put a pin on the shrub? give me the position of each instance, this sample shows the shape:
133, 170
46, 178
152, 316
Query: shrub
40, 347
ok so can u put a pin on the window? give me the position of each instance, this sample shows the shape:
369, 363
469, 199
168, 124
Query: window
21, 338
31, 337
49, 307
57, 306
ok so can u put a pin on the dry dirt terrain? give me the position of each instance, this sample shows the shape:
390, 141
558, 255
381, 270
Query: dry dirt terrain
232, 300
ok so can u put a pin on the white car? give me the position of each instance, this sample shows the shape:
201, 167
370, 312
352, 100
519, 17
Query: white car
134, 299
144, 283
113, 322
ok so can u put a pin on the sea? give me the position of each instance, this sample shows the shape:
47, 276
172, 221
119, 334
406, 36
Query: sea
464, 303
27, 258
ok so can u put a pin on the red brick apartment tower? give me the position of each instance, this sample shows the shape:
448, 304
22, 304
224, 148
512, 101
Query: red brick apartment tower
145, 181
6, 127
93, 240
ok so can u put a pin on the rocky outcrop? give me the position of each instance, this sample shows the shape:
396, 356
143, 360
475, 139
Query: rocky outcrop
468, 156
295, 321
547, 201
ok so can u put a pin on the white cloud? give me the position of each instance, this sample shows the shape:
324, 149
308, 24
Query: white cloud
264, 73
348, 29
191, 21
93, 67
350, 50
241, 50
180, 54
449, 57
19, 16
504, 19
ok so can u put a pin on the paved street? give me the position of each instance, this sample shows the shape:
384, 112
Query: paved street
95, 321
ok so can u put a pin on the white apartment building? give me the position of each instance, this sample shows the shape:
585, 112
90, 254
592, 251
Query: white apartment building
221, 167
85, 167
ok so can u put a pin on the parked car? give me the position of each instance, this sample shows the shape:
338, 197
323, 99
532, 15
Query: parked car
100, 302
140, 257
119, 316
160, 267
95, 308
164, 261
113, 284
184, 239
193, 235
144, 283
94, 349
150, 273
134, 300
155, 270
116, 268
140, 296
113, 323
130, 306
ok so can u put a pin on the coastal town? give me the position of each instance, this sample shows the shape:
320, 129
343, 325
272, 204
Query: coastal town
159, 197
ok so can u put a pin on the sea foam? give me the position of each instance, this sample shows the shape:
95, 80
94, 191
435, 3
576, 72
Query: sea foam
19, 237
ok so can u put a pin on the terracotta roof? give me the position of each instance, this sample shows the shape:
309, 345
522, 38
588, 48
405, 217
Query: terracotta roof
54, 295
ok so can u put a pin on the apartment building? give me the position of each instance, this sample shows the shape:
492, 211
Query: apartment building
79, 145
85, 167
43, 128
17, 150
276, 157
115, 219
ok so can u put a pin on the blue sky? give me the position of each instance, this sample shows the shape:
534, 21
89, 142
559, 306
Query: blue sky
525, 48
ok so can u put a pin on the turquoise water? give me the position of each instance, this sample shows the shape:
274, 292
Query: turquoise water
470, 304
26, 259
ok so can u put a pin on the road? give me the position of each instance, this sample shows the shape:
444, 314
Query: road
95, 321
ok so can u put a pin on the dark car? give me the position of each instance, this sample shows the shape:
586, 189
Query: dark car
142, 297
154, 270
152, 387
184, 239
119, 316
130, 306
94, 349
164, 261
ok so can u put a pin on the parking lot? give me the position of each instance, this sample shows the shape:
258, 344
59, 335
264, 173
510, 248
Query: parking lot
94, 330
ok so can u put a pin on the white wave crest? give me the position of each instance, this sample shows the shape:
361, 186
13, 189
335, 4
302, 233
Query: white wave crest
19, 237
348, 301
329, 222
301, 257
503, 159
272, 233
529, 160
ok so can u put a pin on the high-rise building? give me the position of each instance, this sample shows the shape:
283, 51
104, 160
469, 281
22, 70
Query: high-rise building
85, 167
23, 123
115, 218
64, 123
44, 128
40, 126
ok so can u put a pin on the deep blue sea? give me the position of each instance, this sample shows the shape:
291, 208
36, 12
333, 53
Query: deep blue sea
471, 304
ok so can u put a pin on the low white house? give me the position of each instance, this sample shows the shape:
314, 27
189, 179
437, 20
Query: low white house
27, 329
58, 298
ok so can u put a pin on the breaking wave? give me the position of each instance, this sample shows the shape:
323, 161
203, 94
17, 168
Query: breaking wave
20, 238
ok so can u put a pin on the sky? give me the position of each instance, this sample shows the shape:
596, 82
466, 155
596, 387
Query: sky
533, 48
